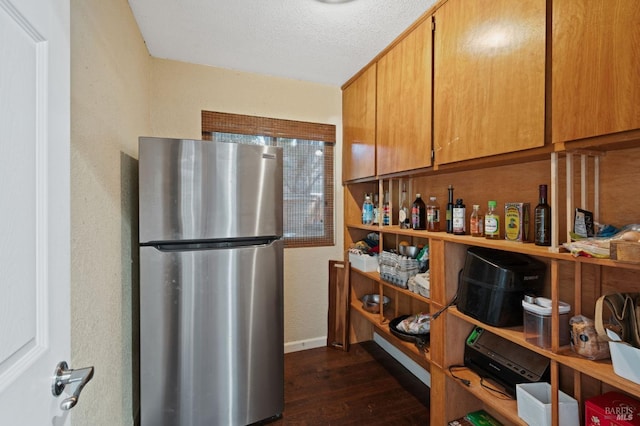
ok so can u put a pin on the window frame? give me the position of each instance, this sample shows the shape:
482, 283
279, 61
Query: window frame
274, 129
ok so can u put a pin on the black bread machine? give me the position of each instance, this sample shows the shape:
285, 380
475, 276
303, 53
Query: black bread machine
493, 283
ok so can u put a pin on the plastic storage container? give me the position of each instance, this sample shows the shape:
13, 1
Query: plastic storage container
537, 321
363, 262
534, 405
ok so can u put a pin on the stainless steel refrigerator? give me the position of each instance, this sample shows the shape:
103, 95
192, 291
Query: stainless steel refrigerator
211, 283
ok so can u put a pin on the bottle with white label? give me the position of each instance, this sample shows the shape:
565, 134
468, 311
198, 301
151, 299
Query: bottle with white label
433, 215
386, 210
492, 222
376, 210
418, 214
459, 218
404, 214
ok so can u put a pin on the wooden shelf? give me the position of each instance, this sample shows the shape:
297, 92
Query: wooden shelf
608, 262
381, 326
405, 291
376, 277
601, 369
525, 248
515, 334
502, 405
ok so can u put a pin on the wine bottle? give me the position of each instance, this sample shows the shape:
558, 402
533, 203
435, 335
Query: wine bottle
449, 214
542, 227
433, 215
404, 213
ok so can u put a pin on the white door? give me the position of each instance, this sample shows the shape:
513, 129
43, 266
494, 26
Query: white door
34, 208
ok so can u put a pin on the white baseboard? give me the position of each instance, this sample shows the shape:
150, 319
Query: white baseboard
422, 374
302, 345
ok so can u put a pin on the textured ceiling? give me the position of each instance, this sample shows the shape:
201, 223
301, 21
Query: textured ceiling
300, 39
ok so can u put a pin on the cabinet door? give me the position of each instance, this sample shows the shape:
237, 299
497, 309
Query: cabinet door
489, 78
359, 127
596, 68
404, 104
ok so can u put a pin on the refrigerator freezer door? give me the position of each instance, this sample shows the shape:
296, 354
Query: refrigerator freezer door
201, 190
211, 335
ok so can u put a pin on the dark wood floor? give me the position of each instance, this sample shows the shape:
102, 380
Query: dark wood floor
325, 386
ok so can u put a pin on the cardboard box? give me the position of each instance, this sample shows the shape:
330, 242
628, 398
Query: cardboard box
516, 222
612, 409
364, 262
534, 405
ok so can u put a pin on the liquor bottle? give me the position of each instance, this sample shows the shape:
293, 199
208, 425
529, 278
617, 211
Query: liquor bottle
433, 215
418, 214
542, 227
476, 222
492, 222
459, 218
367, 210
386, 210
404, 215
376, 210
449, 213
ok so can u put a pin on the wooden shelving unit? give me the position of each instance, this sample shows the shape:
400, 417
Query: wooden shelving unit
565, 277
588, 156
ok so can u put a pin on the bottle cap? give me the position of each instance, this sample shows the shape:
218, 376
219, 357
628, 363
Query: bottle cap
476, 206
418, 195
492, 204
432, 198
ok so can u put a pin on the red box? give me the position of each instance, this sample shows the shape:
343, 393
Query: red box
612, 409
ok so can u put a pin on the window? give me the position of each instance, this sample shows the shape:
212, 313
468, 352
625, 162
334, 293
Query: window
308, 169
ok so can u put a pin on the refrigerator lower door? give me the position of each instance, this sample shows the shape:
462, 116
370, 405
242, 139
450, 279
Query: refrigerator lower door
211, 335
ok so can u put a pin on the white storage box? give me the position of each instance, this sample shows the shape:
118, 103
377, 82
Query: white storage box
534, 405
363, 262
625, 359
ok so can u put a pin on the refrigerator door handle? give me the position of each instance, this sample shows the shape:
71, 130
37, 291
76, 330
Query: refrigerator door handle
213, 245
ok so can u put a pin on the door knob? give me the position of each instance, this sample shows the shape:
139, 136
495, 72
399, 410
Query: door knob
63, 376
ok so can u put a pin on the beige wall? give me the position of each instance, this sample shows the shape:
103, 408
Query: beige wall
110, 69
117, 94
180, 91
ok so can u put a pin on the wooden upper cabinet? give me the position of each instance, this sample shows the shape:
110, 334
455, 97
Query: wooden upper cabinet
489, 78
596, 68
403, 136
359, 127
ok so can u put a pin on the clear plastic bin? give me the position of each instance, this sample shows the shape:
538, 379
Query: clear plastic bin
537, 322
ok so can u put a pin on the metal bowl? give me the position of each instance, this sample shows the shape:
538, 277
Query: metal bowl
371, 303
409, 251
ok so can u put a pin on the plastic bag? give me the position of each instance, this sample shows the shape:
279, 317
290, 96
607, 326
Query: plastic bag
416, 324
599, 247
585, 340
